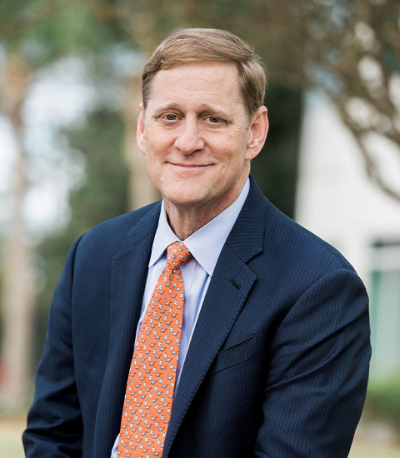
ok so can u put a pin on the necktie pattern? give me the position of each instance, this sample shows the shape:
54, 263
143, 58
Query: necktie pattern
152, 375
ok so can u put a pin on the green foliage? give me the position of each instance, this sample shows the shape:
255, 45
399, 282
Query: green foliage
101, 195
103, 192
76, 29
43, 30
383, 402
275, 168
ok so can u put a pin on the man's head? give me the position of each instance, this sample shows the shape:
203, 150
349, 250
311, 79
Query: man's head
201, 123
209, 45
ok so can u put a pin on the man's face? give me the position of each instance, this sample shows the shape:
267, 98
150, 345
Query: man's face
195, 135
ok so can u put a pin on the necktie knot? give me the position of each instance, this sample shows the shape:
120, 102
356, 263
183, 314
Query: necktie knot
177, 255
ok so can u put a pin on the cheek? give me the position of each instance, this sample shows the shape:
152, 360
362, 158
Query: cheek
155, 149
236, 137
156, 138
237, 144
227, 146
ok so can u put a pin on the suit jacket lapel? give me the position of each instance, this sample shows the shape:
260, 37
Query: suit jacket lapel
129, 273
228, 290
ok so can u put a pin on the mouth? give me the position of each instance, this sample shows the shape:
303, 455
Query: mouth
188, 165
188, 168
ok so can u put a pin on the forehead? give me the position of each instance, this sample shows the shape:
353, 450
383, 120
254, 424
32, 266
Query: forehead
210, 82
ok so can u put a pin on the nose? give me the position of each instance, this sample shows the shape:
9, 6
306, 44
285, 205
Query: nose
189, 138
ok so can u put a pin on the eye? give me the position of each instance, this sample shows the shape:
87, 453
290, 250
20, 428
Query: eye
170, 117
214, 120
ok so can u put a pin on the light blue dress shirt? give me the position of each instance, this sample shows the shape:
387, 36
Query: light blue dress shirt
205, 245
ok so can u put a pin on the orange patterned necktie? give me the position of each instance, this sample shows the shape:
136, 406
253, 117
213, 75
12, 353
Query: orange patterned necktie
152, 375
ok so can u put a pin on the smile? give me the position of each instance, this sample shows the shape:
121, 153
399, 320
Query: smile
187, 169
188, 166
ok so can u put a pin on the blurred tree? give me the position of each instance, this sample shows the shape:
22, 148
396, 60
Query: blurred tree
357, 62
275, 168
17, 282
101, 194
32, 35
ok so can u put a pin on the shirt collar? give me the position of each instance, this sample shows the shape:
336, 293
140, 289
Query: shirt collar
206, 243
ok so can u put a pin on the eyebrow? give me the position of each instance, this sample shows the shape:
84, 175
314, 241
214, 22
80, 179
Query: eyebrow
166, 107
204, 108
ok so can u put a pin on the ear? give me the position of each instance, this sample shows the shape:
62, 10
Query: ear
258, 131
141, 131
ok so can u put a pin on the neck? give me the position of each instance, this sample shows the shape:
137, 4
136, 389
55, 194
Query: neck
185, 223
185, 220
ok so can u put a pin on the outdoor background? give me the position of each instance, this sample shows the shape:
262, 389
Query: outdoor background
69, 95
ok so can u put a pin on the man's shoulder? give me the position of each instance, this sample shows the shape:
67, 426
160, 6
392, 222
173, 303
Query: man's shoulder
125, 222
285, 240
113, 235
300, 244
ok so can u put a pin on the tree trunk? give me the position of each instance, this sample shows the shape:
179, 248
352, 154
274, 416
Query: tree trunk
17, 259
141, 190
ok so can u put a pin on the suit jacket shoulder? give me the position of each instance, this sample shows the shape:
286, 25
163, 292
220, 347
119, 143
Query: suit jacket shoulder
117, 234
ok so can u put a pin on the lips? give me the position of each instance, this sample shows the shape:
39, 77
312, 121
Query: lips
188, 165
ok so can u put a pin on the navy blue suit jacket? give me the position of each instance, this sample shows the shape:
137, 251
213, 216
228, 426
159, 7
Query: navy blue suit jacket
278, 362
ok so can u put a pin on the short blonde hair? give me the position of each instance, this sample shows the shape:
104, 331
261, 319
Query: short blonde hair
209, 45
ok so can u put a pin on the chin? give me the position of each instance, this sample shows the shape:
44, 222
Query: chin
184, 192
183, 200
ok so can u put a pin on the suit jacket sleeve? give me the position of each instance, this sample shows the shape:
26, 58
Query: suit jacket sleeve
318, 371
54, 421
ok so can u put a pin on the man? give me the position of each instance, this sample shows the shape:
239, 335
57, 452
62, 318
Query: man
270, 355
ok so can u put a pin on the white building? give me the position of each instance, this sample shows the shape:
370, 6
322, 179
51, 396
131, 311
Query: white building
337, 201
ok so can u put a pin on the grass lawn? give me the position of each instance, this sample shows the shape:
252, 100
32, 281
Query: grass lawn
10, 437
373, 451
11, 446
